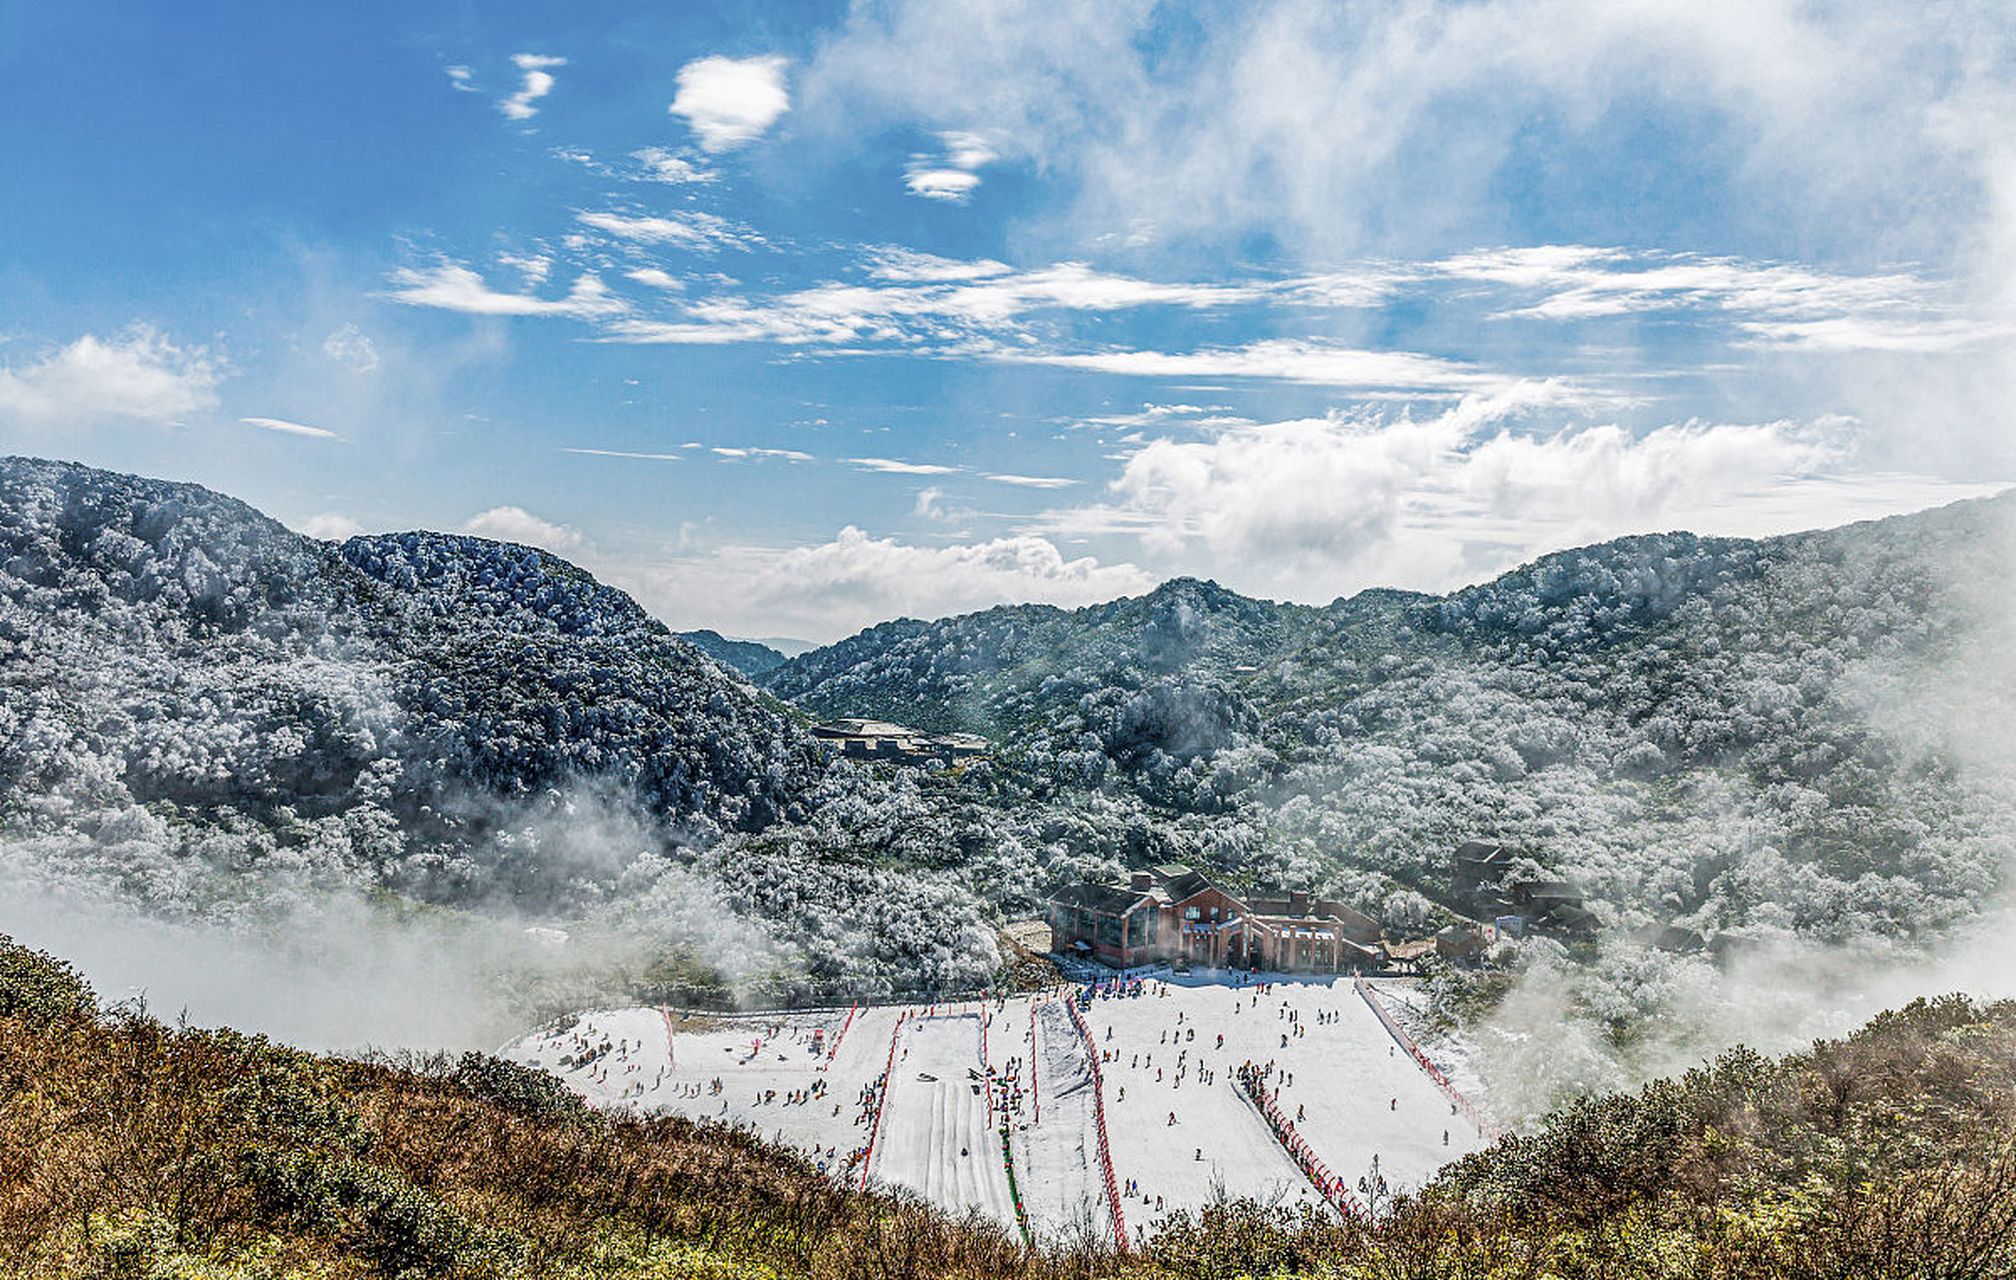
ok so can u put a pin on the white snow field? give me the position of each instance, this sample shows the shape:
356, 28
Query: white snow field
1055, 1143
1359, 1096
938, 1134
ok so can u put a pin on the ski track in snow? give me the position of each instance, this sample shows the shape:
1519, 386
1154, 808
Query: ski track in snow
1359, 1095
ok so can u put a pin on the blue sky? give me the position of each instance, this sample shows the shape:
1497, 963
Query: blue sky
792, 318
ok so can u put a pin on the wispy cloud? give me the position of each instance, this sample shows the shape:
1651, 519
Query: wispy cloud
451, 286
284, 427
623, 453
1287, 360
688, 229
952, 173
536, 83
656, 164
1030, 482
729, 102
898, 467
740, 453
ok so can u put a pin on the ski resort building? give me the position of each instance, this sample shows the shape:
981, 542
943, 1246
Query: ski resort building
1171, 913
900, 744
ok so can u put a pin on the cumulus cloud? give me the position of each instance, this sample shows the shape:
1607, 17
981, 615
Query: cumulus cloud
451, 286
283, 427
855, 580
537, 82
1318, 507
140, 376
731, 101
330, 526
516, 524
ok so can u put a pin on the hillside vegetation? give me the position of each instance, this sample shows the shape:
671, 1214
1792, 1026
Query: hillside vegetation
1798, 734
209, 716
129, 1148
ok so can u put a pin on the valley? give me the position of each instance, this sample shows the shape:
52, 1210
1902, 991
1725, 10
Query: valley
919, 1096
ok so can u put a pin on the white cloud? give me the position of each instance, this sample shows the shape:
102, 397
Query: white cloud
689, 229
330, 526
917, 299
515, 524
897, 467
967, 150
952, 185
462, 79
533, 267
1030, 482
350, 347
141, 376
1287, 360
1913, 335
624, 453
892, 262
656, 278
731, 101
1315, 508
856, 580
451, 286
284, 427
951, 175
536, 84
660, 165
741, 453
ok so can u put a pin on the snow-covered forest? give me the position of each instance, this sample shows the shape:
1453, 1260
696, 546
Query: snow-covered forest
210, 716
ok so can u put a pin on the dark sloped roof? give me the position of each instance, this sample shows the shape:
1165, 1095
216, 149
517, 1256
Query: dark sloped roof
1187, 884
1111, 899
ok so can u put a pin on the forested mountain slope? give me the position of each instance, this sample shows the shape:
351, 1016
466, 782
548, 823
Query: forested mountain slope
188, 687
1800, 732
750, 657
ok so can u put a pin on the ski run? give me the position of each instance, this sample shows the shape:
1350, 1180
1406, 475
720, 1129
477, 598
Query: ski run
916, 1097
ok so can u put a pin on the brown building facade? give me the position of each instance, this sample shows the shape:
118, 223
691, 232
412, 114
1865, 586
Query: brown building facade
1170, 913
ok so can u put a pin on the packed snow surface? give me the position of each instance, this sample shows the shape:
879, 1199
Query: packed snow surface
1178, 1126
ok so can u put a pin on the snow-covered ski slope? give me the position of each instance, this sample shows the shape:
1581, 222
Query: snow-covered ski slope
813, 1080
938, 1133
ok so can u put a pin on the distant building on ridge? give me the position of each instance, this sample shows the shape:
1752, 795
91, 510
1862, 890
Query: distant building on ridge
898, 744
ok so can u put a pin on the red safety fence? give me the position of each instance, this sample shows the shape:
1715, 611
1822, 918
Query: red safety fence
987, 1073
1035, 1090
1330, 1186
881, 1101
1099, 1125
671, 1053
833, 1050
1400, 1037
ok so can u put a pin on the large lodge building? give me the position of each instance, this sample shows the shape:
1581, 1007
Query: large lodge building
1171, 912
